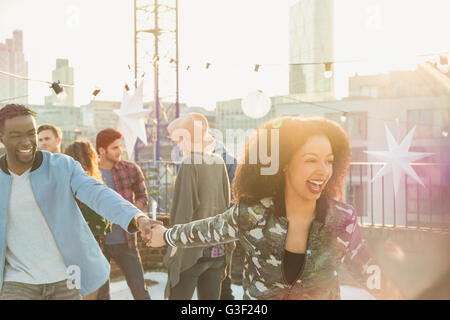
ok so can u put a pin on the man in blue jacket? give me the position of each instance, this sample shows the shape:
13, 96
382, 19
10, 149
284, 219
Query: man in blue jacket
46, 248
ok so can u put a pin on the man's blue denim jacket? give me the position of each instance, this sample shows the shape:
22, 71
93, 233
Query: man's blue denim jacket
55, 180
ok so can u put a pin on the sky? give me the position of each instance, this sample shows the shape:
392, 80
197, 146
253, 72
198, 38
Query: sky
233, 35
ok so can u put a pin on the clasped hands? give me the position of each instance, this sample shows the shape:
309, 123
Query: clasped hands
152, 232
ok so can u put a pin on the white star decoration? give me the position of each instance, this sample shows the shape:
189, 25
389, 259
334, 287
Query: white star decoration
131, 119
398, 158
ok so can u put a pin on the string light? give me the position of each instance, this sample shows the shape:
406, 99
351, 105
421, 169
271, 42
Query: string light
57, 88
96, 92
344, 114
328, 65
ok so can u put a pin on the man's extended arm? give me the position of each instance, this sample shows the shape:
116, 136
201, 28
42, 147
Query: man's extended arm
107, 203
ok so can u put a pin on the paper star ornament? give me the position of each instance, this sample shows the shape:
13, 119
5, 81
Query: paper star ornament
397, 159
131, 118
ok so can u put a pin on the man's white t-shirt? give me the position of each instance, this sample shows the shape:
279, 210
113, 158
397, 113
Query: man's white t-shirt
32, 255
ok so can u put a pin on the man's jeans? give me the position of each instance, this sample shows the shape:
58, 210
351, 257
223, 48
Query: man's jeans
50, 291
129, 262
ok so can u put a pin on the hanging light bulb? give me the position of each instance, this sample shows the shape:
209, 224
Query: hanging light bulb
257, 67
187, 68
444, 133
344, 117
57, 87
61, 96
328, 70
208, 64
96, 92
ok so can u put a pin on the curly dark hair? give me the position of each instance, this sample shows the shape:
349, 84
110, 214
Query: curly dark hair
293, 132
14, 110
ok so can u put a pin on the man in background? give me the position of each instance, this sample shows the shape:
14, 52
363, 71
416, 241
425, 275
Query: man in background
127, 179
50, 138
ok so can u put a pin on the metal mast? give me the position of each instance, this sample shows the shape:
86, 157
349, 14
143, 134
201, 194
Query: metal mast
158, 18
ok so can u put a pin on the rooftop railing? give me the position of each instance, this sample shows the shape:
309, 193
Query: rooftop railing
414, 206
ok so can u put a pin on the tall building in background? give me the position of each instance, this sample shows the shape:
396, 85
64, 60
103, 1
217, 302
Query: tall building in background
12, 60
311, 40
64, 74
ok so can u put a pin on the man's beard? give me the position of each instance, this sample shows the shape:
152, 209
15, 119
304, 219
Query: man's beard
112, 159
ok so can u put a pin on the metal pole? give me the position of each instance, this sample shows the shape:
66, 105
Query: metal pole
136, 150
371, 191
156, 67
135, 47
382, 196
362, 194
406, 200
177, 101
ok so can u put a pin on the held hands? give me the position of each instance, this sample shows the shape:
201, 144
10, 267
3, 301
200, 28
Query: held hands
157, 236
145, 227
152, 232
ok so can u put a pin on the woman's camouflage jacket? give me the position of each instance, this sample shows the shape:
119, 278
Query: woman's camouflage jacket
336, 241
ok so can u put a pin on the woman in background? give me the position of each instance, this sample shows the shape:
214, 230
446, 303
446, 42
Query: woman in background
84, 153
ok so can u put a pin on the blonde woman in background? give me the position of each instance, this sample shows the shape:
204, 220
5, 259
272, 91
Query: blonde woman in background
84, 153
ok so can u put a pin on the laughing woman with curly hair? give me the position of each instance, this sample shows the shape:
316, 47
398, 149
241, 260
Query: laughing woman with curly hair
292, 225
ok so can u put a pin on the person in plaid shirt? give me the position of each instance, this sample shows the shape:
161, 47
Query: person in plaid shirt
127, 179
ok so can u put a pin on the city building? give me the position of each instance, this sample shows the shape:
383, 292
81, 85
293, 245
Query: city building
311, 43
12, 60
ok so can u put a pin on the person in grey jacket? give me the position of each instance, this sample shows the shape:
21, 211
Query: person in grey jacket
201, 191
47, 250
